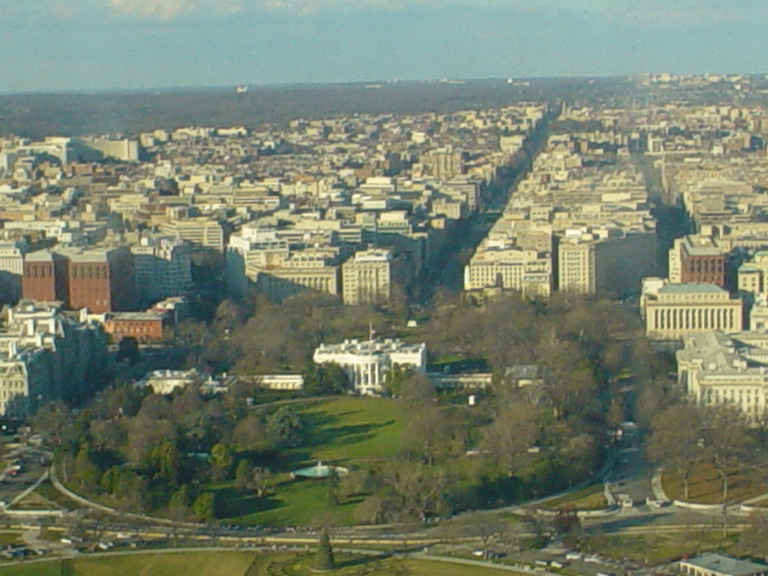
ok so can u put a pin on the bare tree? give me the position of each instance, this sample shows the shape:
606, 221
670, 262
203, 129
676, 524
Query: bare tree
676, 441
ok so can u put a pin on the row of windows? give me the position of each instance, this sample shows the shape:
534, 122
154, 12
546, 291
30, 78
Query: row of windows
90, 272
38, 271
76, 272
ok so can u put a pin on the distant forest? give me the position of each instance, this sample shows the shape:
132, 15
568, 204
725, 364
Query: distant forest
35, 115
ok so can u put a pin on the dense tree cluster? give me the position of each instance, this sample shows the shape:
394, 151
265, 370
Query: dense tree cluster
145, 452
263, 337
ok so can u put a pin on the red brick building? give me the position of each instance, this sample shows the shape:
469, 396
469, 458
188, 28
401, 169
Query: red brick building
44, 278
100, 279
702, 262
143, 326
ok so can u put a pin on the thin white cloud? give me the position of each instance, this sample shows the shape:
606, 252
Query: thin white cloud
651, 12
171, 9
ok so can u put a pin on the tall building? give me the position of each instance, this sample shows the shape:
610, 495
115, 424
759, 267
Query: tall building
100, 279
368, 362
576, 267
45, 277
697, 259
163, 268
11, 270
609, 261
367, 277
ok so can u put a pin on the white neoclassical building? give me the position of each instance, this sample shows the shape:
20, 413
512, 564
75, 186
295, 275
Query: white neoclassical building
367, 362
675, 311
716, 369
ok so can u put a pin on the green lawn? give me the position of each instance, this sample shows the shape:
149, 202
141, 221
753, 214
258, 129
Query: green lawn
589, 498
48, 492
10, 538
357, 433
37, 569
239, 564
182, 564
350, 430
706, 487
661, 548
293, 503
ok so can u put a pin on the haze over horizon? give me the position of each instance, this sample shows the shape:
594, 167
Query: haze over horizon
54, 45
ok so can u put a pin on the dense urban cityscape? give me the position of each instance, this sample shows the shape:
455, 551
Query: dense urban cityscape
529, 336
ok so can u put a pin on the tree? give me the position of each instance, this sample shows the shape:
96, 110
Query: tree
325, 380
250, 432
132, 491
676, 440
128, 350
324, 555
284, 427
428, 435
417, 389
54, 422
510, 435
262, 478
205, 506
726, 442
243, 475
753, 538
179, 503
221, 460
88, 473
418, 491
166, 462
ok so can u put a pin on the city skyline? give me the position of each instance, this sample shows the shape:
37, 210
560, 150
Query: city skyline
68, 45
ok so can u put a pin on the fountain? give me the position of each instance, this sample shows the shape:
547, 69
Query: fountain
319, 470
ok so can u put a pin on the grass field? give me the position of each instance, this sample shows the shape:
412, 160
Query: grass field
705, 485
36, 501
355, 430
660, 548
238, 564
589, 498
10, 538
357, 433
56, 498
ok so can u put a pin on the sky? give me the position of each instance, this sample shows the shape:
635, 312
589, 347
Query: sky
53, 45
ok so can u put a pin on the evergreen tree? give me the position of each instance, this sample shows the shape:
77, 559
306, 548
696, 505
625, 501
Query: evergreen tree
324, 555
205, 506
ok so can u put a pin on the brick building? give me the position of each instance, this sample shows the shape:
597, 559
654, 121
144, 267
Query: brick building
143, 326
44, 277
698, 259
100, 279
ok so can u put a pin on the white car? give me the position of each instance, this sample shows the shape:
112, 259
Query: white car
573, 556
592, 559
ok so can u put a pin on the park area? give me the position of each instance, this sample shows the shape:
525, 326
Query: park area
238, 564
356, 433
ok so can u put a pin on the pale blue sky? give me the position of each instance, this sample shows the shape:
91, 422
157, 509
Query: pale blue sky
100, 44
